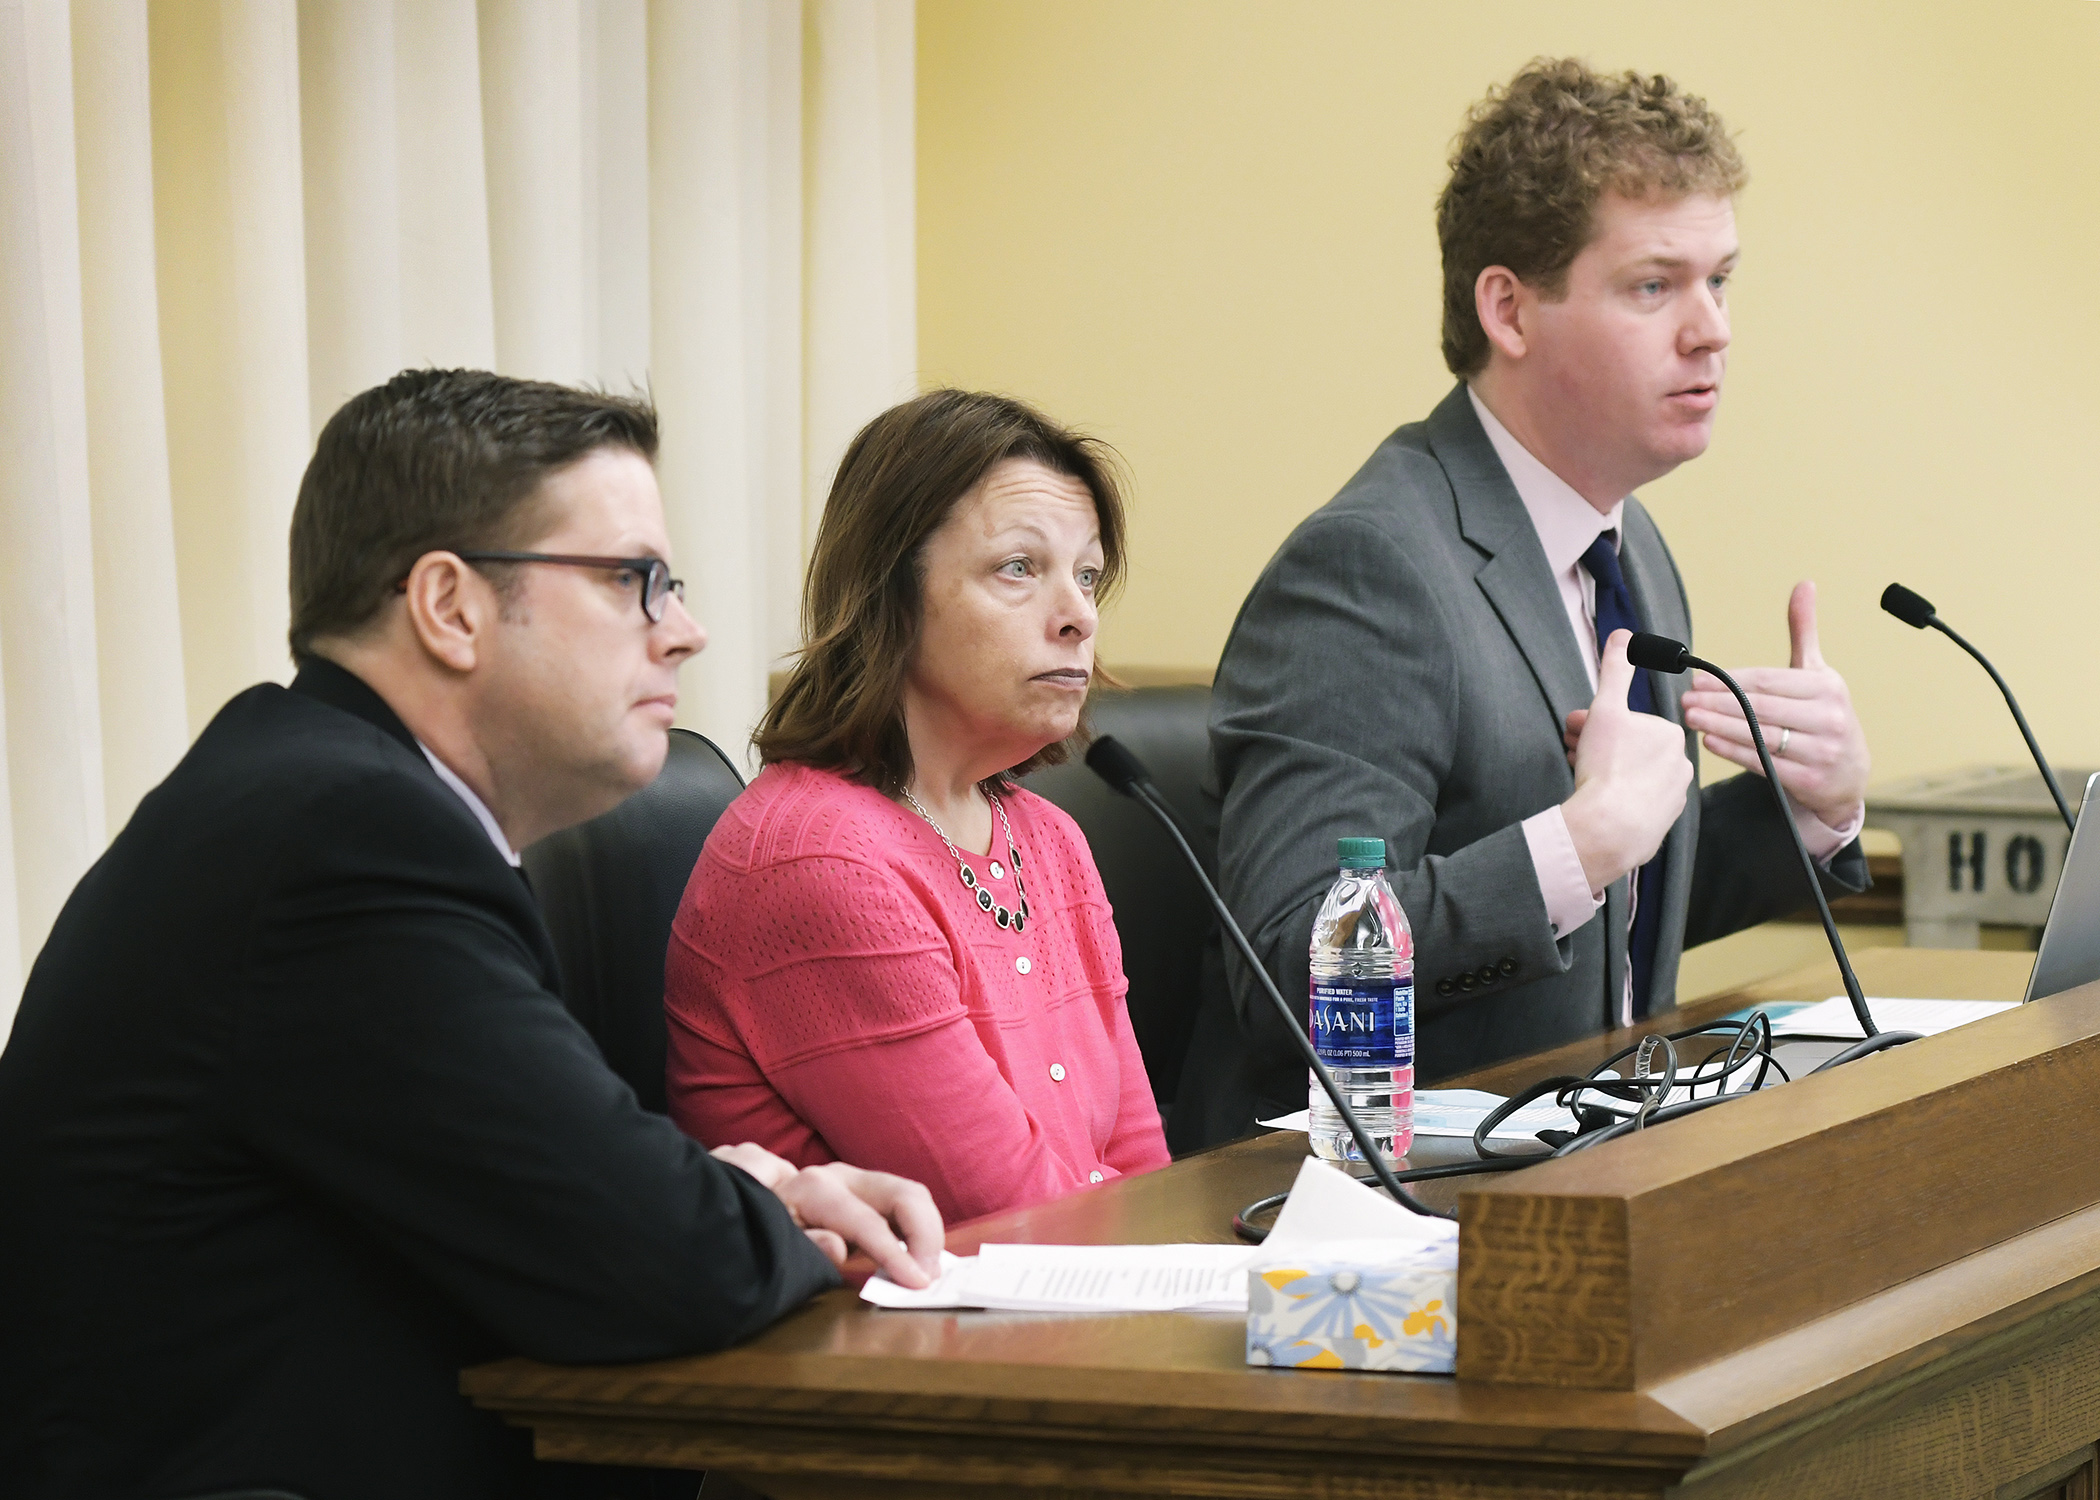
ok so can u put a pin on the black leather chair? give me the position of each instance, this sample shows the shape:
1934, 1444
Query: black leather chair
609, 889
1162, 916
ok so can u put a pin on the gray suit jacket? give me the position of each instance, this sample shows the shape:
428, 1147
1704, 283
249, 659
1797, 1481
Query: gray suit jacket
1402, 669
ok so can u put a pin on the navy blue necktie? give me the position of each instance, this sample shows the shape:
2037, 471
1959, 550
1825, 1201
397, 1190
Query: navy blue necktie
1615, 611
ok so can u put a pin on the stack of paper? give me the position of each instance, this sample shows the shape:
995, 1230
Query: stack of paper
1325, 1205
1082, 1278
1834, 1017
1454, 1112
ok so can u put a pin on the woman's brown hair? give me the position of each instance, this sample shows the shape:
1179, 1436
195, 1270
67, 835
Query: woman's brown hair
902, 477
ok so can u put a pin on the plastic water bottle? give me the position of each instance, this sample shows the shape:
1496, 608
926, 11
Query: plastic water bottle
1363, 1008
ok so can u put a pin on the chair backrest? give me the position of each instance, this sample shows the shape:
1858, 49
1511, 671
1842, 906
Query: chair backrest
1162, 916
609, 889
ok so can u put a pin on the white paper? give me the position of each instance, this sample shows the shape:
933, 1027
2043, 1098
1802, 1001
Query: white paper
1442, 1253
1328, 1210
883, 1292
1081, 1278
1454, 1113
1834, 1018
1327, 1204
1112, 1278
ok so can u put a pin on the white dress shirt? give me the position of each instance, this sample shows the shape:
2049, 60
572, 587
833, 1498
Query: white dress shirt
475, 805
1567, 525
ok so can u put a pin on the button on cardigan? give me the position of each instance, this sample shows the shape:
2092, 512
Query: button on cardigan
834, 993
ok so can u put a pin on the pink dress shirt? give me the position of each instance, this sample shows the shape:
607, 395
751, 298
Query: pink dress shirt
1567, 524
834, 993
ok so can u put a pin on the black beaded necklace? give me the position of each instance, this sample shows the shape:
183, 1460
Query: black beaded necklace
1013, 919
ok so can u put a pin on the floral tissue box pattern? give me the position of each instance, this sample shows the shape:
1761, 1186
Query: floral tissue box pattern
1325, 1311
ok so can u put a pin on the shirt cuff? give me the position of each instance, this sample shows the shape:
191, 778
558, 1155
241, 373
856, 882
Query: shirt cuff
1569, 900
1822, 841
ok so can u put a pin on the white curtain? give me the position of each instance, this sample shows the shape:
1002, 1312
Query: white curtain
221, 218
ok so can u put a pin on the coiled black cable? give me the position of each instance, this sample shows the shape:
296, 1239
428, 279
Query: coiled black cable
1597, 1122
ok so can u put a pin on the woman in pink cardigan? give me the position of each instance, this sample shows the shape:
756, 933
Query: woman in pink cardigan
889, 953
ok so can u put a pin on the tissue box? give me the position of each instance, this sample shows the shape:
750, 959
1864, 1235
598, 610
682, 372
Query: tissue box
1325, 1308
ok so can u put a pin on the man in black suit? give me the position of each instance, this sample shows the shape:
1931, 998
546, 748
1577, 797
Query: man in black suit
293, 1124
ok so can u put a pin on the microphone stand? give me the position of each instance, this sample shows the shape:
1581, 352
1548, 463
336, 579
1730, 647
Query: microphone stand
1916, 611
1124, 772
1658, 653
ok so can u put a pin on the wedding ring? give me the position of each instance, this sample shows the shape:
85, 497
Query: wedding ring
1784, 736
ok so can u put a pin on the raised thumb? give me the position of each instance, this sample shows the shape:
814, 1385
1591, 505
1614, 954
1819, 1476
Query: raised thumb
1614, 673
1801, 626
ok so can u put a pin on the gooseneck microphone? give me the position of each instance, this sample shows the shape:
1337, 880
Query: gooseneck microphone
1658, 653
1125, 773
1916, 611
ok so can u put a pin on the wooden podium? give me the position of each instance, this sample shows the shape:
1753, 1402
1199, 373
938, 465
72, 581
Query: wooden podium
1882, 1281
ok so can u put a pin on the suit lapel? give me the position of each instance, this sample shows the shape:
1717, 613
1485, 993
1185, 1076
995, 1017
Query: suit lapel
338, 687
1515, 576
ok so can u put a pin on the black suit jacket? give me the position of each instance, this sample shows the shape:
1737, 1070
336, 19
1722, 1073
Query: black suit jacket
1402, 670
293, 1125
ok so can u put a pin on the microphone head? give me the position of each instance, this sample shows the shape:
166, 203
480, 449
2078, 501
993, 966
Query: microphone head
1658, 653
1107, 759
1914, 610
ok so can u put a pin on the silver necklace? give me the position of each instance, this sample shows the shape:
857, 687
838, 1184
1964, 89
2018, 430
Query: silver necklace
1005, 918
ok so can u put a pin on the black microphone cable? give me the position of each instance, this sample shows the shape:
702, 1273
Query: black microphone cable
1658, 653
1750, 1046
1916, 611
1125, 773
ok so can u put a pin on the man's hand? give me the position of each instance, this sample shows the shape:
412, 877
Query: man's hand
1806, 707
841, 1208
1631, 775
756, 1161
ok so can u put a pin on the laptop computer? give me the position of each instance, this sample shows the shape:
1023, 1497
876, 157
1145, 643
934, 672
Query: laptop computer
2070, 950
2069, 956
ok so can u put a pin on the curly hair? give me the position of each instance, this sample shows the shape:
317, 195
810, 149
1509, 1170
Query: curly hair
1534, 159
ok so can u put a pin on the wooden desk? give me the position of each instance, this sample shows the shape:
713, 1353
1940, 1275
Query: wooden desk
1975, 1380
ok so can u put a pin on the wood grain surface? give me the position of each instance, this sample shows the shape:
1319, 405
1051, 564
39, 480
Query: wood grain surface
1912, 973
1978, 1370
1577, 1271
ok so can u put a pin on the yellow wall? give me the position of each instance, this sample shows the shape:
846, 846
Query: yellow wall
1204, 231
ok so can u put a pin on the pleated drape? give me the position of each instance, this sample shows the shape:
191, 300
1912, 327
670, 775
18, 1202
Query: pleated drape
48, 690
221, 218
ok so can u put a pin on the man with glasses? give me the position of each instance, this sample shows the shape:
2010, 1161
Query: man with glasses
293, 1124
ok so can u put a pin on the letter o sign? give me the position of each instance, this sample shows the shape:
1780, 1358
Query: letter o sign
2023, 863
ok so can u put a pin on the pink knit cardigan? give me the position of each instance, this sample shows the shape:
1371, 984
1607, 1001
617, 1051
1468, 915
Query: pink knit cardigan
835, 994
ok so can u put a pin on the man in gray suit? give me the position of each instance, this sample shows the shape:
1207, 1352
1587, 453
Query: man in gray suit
1436, 656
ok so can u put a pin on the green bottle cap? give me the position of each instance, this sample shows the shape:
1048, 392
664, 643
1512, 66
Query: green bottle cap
1361, 854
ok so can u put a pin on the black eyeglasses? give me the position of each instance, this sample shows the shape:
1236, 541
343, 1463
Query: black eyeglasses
654, 572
